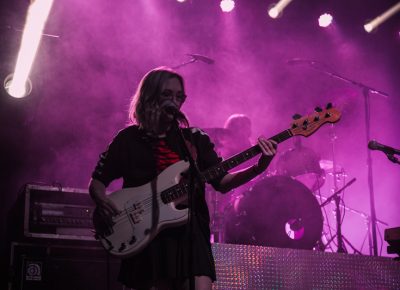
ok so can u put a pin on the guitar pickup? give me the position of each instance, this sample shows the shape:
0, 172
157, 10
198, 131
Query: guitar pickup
135, 212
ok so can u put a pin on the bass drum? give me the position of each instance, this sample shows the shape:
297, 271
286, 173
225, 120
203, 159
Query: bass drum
277, 212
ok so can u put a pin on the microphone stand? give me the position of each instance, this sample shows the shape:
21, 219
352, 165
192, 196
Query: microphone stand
195, 180
192, 60
366, 90
393, 159
195, 57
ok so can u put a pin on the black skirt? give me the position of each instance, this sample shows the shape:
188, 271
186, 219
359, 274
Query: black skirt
167, 257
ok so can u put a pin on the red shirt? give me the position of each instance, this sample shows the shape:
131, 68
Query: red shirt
164, 155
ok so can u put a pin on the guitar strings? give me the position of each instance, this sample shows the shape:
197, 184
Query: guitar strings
147, 204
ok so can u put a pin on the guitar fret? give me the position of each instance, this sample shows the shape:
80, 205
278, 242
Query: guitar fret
174, 193
185, 189
237, 159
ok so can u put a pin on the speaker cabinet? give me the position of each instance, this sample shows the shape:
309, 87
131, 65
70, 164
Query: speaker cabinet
49, 267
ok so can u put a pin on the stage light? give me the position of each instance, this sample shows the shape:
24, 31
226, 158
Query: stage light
227, 5
325, 20
371, 25
181, 1
276, 9
16, 84
273, 12
17, 91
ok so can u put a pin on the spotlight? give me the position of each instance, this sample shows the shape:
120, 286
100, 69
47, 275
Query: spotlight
273, 12
181, 1
325, 20
371, 25
227, 5
18, 84
17, 91
276, 9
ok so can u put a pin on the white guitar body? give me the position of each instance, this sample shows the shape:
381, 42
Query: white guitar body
142, 213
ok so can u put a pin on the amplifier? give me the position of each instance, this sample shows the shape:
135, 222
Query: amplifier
62, 267
56, 213
392, 236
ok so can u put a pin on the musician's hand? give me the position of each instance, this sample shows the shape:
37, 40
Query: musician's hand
152, 119
268, 148
106, 206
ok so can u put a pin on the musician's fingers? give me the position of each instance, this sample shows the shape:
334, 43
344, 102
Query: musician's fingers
108, 208
111, 207
274, 143
263, 147
152, 115
271, 146
268, 147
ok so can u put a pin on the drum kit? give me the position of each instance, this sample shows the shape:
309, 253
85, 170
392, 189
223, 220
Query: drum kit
281, 208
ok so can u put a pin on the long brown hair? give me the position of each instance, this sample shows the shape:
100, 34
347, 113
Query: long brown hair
147, 95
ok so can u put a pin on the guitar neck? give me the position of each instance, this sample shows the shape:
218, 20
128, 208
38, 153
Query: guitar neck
242, 157
304, 126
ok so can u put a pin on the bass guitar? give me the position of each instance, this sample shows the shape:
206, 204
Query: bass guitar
145, 210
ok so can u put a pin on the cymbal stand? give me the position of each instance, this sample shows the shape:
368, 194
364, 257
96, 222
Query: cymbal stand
340, 238
368, 221
361, 214
340, 246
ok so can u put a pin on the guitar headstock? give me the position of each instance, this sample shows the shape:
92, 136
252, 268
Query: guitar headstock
307, 125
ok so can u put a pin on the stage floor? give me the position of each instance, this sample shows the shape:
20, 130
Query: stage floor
255, 267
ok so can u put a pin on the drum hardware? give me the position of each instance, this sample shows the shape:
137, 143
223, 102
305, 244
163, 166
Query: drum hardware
277, 211
215, 204
336, 198
322, 245
333, 196
219, 204
302, 164
337, 172
225, 142
366, 91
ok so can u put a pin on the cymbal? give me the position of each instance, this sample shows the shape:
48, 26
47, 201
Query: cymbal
327, 165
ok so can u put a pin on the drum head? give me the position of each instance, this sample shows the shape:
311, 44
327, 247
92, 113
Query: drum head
277, 212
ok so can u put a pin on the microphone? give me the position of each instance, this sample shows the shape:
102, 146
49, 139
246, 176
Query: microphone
202, 58
296, 61
373, 145
170, 107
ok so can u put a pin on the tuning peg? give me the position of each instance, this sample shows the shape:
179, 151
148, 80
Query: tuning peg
329, 105
296, 116
318, 109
